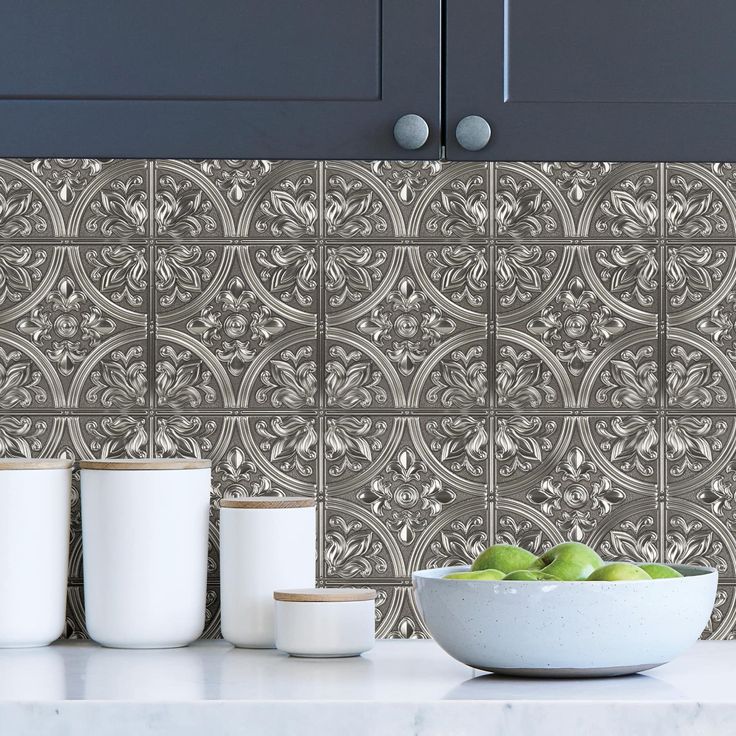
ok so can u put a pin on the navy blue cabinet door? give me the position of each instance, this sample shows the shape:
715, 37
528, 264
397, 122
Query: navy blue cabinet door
217, 78
593, 79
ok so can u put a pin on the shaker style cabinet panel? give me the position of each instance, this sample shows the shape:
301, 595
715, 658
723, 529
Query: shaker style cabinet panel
220, 79
591, 80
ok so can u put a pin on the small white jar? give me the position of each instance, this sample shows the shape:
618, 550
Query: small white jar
35, 496
145, 527
325, 622
266, 542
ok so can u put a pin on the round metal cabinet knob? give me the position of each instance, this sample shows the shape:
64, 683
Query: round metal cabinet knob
411, 132
473, 133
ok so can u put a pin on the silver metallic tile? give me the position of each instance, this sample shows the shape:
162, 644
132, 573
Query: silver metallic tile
442, 354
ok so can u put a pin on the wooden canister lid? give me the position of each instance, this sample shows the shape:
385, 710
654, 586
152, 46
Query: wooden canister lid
36, 463
325, 595
268, 502
146, 463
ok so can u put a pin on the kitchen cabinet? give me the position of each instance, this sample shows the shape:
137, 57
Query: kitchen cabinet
592, 79
369, 79
220, 79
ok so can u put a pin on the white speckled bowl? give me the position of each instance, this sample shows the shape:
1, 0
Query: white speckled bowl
580, 629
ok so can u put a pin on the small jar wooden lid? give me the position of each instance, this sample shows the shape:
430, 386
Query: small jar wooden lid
325, 595
36, 463
268, 502
146, 463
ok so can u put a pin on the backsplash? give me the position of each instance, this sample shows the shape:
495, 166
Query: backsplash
444, 354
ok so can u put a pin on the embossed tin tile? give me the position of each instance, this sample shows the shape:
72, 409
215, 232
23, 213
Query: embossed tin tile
442, 354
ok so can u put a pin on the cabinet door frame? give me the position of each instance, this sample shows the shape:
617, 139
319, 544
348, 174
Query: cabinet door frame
410, 76
479, 55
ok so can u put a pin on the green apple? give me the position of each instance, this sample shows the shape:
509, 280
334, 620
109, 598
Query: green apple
529, 576
503, 557
568, 561
618, 572
657, 571
475, 575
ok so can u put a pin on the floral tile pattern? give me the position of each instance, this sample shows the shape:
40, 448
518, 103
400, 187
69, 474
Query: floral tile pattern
443, 355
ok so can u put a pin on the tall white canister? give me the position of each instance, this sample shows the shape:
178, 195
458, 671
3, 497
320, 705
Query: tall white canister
144, 535
35, 496
266, 543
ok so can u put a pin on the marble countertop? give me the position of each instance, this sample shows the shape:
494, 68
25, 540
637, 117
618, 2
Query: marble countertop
398, 689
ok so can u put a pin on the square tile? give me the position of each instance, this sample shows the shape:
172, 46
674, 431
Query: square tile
396, 338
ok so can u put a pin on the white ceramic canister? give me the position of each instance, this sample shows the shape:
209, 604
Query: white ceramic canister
325, 622
144, 534
266, 543
35, 497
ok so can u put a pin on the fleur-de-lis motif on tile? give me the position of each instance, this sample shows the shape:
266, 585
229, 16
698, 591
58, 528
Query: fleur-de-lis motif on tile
289, 209
634, 540
290, 442
239, 317
351, 381
118, 436
290, 381
407, 628
66, 177
693, 543
577, 179
410, 335
630, 381
460, 270
692, 441
692, 271
121, 380
631, 272
461, 380
120, 210
522, 271
180, 436
631, 442
692, 380
692, 209
719, 496
19, 210
521, 533
720, 325
182, 210
236, 178
63, 329
290, 272
352, 210
522, 210
462, 442
350, 442
120, 271
630, 210
351, 550
20, 436
521, 442
522, 380
579, 500
458, 544
352, 272
406, 495
19, 271
182, 382
235, 469
587, 318
406, 178
460, 210
19, 382
181, 271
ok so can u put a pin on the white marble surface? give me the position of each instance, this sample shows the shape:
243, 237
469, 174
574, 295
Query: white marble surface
400, 688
